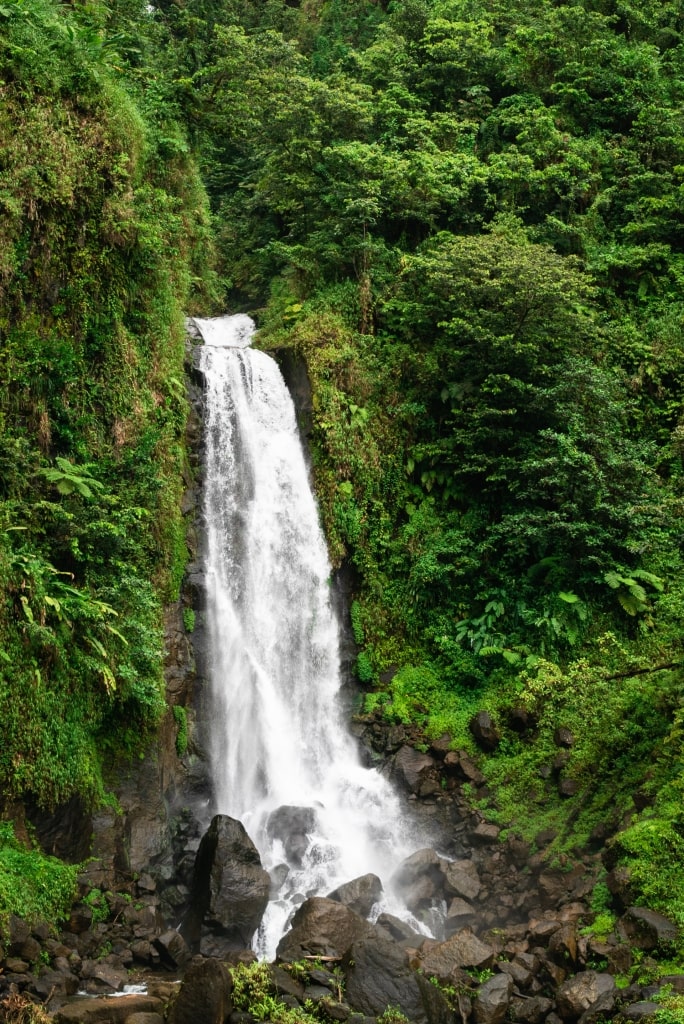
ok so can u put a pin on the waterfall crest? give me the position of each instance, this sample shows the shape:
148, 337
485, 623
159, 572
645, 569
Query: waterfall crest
282, 757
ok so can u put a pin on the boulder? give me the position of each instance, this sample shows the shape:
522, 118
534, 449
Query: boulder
460, 879
399, 930
293, 826
172, 948
460, 914
492, 1000
104, 979
230, 888
378, 975
55, 984
420, 880
462, 950
204, 995
563, 944
563, 737
360, 895
582, 992
113, 1010
410, 767
323, 927
484, 731
531, 1011
641, 1010
646, 929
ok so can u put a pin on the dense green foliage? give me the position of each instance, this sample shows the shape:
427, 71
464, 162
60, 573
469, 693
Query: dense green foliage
104, 239
32, 886
466, 216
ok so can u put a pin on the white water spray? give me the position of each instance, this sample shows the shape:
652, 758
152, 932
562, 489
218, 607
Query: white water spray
279, 739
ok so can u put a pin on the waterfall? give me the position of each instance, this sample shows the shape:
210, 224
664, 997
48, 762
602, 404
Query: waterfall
282, 757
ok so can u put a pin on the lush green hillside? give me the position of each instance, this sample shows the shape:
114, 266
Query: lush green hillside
467, 218
103, 246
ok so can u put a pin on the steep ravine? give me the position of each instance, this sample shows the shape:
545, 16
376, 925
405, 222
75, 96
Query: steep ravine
515, 943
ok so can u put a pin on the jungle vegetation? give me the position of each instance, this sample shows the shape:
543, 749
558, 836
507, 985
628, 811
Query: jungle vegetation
467, 217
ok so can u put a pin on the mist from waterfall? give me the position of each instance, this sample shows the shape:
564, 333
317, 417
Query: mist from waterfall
279, 737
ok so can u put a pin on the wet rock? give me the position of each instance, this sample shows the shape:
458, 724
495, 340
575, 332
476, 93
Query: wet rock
145, 1018
230, 888
322, 927
463, 949
410, 767
114, 1010
646, 929
204, 995
583, 992
492, 1000
484, 731
103, 979
563, 737
378, 975
293, 826
399, 930
420, 879
360, 895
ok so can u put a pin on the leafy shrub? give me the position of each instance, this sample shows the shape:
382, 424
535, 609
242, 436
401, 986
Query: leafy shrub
33, 886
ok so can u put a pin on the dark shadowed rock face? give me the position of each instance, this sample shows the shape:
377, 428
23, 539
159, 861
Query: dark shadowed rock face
204, 996
230, 889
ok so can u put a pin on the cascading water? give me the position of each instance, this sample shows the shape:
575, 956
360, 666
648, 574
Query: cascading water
283, 761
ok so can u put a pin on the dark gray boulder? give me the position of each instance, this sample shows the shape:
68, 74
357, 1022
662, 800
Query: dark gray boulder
322, 927
582, 992
646, 929
360, 895
532, 1010
484, 731
641, 1010
205, 995
462, 950
461, 879
230, 889
172, 949
493, 999
378, 975
420, 879
410, 767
